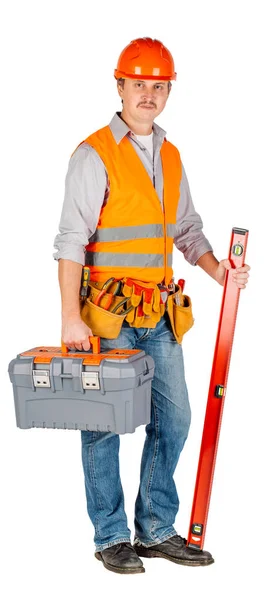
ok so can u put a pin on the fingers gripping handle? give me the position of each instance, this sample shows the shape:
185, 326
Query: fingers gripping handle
94, 345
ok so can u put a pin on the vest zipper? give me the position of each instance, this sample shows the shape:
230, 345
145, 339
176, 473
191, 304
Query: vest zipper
165, 249
165, 255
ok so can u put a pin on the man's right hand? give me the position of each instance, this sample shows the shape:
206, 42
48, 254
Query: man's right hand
75, 333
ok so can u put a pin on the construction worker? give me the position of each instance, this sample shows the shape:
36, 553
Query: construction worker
127, 200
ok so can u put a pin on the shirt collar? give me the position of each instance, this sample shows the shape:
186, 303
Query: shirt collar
119, 129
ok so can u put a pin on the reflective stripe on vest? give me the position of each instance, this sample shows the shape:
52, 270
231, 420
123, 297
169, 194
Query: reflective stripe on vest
106, 259
131, 232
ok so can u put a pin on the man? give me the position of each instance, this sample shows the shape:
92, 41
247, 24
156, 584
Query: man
126, 200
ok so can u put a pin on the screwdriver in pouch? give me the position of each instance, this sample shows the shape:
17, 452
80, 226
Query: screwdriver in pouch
178, 298
181, 283
84, 282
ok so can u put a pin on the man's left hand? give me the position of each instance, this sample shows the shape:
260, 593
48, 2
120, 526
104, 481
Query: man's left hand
239, 275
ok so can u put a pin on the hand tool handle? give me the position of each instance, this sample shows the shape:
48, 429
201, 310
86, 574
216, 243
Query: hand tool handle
94, 345
84, 282
181, 283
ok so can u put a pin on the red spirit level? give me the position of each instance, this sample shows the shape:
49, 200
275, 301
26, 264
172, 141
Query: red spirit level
217, 391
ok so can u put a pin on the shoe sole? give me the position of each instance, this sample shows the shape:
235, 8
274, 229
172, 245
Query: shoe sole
147, 553
120, 570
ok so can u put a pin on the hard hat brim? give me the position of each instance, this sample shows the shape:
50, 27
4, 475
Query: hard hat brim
118, 74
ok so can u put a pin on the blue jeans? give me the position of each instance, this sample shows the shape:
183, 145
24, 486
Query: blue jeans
157, 501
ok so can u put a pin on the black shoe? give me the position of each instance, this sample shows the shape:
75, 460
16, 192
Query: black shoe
175, 549
121, 558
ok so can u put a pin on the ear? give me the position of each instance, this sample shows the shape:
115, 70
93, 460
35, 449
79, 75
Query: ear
120, 88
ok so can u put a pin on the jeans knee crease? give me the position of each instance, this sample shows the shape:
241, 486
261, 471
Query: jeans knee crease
152, 468
93, 476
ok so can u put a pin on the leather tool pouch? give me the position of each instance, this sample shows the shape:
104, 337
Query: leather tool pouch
101, 321
106, 324
180, 314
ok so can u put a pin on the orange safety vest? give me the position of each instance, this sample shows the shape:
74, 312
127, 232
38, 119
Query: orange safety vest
134, 235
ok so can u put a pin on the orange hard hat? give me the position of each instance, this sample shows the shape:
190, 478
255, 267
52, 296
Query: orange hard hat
145, 58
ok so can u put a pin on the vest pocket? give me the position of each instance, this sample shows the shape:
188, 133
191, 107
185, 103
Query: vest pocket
101, 322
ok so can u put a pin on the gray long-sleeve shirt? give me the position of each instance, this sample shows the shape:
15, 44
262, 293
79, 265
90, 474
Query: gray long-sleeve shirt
87, 189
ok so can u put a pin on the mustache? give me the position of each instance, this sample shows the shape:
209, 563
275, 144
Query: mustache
147, 104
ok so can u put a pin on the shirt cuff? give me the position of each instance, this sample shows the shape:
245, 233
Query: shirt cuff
71, 252
193, 252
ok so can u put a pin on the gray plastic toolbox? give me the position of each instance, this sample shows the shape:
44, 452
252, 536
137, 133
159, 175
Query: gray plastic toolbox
108, 391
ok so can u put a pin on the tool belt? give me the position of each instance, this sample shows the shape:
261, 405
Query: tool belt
140, 303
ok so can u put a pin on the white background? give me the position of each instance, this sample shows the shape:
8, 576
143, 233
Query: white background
58, 87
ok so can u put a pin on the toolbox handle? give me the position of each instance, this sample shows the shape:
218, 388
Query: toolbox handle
94, 341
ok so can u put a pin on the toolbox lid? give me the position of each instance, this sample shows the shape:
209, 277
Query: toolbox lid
114, 364
44, 355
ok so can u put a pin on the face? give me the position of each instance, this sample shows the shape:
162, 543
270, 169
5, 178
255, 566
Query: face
143, 100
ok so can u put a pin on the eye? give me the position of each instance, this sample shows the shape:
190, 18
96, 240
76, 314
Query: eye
139, 84
159, 87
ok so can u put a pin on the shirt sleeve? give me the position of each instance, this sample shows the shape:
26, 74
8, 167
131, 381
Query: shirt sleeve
85, 192
189, 237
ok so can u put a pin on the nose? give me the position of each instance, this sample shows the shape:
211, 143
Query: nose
148, 96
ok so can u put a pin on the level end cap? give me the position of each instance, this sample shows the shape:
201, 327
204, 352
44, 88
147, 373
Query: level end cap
194, 547
240, 231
